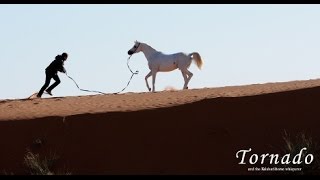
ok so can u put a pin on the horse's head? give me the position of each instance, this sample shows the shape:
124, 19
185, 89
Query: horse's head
135, 49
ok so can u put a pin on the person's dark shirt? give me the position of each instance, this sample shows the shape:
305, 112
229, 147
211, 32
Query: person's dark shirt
56, 65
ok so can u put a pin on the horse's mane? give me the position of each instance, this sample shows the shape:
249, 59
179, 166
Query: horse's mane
149, 46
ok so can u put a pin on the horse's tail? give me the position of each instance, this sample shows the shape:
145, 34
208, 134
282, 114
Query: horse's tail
197, 58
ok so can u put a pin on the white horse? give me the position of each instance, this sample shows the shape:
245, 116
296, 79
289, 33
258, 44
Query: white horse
159, 62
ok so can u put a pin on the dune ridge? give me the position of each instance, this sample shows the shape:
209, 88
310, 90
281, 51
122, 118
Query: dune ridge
195, 131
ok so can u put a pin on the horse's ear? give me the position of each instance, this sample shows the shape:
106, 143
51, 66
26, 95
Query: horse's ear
135, 41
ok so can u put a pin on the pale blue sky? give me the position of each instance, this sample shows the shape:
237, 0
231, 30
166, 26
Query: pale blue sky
240, 44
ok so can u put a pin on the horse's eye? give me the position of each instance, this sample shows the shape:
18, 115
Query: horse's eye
135, 46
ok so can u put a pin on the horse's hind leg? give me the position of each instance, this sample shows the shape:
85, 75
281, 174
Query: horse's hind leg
185, 79
146, 78
187, 75
190, 74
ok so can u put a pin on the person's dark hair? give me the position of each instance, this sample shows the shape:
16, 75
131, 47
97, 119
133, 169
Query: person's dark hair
64, 54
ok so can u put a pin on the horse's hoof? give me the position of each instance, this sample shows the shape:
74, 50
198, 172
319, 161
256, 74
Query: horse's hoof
149, 89
187, 87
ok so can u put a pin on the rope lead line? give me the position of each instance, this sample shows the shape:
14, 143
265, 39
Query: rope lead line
132, 74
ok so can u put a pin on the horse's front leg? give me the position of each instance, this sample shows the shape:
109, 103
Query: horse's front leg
154, 74
146, 78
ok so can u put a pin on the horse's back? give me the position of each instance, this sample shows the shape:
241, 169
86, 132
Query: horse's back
174, 56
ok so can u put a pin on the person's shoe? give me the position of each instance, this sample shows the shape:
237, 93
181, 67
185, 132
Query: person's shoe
49, 92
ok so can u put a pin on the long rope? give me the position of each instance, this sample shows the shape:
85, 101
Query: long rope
132, 74
83, 89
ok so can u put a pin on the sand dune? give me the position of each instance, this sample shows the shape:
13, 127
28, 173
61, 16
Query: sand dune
194, 131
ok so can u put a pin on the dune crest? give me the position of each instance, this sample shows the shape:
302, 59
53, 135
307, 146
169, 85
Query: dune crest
195, 131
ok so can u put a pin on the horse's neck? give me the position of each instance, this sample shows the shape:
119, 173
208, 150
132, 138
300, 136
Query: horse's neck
148, 51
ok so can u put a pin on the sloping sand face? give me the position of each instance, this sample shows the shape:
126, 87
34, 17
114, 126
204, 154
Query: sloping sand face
174, 132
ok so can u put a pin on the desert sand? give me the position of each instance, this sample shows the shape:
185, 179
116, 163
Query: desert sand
196, 131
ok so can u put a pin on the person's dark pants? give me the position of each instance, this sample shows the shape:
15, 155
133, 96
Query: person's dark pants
49, 75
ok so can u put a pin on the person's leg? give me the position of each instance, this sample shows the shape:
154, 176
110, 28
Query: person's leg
55, 84
46, 84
